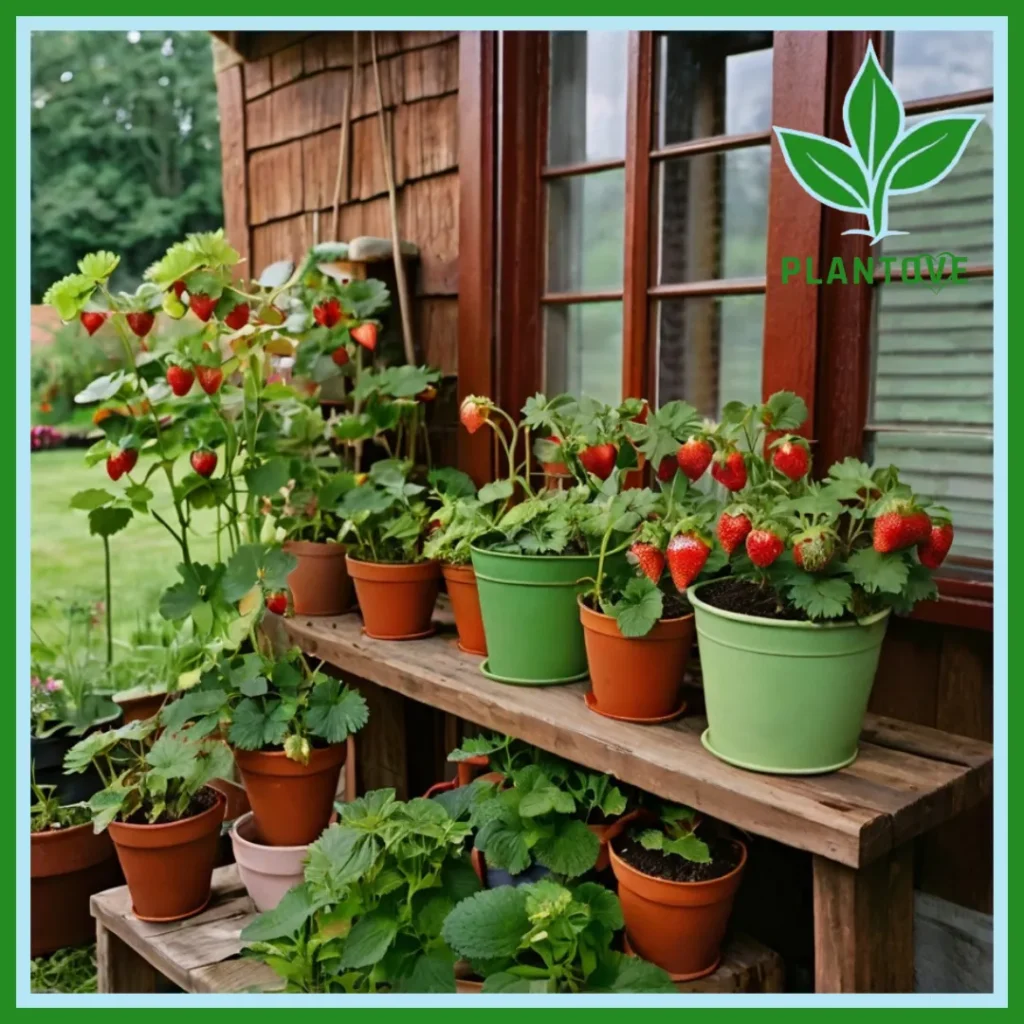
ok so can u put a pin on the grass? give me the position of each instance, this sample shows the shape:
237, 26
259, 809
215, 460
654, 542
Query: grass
71, 970
67, 562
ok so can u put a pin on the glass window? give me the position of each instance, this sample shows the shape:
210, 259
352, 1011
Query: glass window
583, 351
929, 64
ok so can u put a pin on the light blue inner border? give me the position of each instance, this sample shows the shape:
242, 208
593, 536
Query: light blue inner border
998, 26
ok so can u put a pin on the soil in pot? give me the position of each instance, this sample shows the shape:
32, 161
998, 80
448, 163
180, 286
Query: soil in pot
319, 584
291, 802
461, 584
267, 872
168, 865
677, 923
747, 598
396, 599
68, 865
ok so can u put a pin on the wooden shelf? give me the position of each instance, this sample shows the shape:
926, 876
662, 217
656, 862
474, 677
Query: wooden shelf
908, 778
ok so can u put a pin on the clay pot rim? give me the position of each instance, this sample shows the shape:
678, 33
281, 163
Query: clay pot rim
389, 572
462, 572
132, 828
50, 835
691, 886
316, 548
251, 844
607, 626
326, 756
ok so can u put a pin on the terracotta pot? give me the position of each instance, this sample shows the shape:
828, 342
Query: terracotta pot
267, 872
168, 867
291, 802
465, 599
466, 981
636, 678
397, 600
606, 833
68, 866
319, 583
677, 925
146, 705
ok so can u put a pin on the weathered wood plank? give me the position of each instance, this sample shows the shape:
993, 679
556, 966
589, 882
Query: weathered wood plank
364, 100
238, 975
314, 53
300, 108
320, 155
275, 182
119, 968
747, 966
258, 131
281, 240
438, 332
428, 214
257, 78
368, 218
286, 65
417, 40
433, 71
231, 105
931, 743
368, 177
426, 138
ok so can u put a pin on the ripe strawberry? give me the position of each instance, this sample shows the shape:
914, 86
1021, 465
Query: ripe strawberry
92, 322
366, 335
433, 526
210, 378
121, 462
328, 313
932, 551
277, 603
599, 459
641, 416
179, 287
730, 470
129, 456
555, 468
180, 379
202, 305
648, 559
473, 414
813, 549
114, 468
791, 459
900, 526
763, 547
140, 323
694, 457
340, 355
686, 555
731, 530
204, 461
238, 317
667, 469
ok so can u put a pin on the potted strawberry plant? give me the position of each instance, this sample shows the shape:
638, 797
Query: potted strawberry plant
817, 568
368, 917
162, 816
532, 566
547, 937
677, 891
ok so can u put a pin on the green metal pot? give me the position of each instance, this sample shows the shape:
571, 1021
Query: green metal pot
531, 619
785, 697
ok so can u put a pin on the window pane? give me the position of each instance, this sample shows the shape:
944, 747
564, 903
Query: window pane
709, 350
712, 83
583, 350
587, 119
712, 216
586, 223
956, 214
926, 64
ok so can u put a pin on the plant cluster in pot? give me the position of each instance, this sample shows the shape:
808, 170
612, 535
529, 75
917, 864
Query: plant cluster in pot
531, 566
789, 642
677, 891
161, 814
368, 917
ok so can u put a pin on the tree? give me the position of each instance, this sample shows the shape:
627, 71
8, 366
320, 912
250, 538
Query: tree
125, 147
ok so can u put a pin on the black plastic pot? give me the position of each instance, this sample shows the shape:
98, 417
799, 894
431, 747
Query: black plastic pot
48, 762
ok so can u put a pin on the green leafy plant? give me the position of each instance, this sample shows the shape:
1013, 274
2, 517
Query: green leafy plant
147, 778
676, 836
48, 814
70, 971
368, 917
545, 937
464, 515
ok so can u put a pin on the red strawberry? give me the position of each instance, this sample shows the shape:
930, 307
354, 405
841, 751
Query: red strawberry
92, 322
180, 378
555, 468
238, 317
472, 414
813, 549
641, 416
791, 459
366, 335
731, 530
340, 355
694, 456
328, 313
730, 470
114, 468
277, 603
900, 526
202, 305
599, 459
129, 456
918, 527
667, 469
687, 553
179, 287
932, 552
433, 526
648, 559
210, 378
204, 462
140, 323
763, 547
121, 462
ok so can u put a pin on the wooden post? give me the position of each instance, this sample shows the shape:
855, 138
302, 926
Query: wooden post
864, 925
119, 968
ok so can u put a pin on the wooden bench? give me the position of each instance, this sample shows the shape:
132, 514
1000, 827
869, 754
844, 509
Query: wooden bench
857, 823
201, 954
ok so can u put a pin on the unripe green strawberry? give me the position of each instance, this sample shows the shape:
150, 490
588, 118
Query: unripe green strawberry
813, 549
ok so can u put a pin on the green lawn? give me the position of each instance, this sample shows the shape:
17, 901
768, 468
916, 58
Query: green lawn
67, 562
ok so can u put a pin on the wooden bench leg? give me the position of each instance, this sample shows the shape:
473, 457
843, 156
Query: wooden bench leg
119, 968
864, 925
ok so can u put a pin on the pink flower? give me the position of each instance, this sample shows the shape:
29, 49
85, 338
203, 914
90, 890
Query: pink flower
36, 682
53, 685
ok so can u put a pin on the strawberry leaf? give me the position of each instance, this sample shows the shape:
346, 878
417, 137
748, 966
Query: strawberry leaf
106, 521
488, 925
98, 266
69, 295
784, 411
919, 587
877, 573
639, 608
820, 597
361, 299
335, 711
254, 726
92, 497
571, 851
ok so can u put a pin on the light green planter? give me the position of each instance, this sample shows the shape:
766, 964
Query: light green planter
785, 697
531, 619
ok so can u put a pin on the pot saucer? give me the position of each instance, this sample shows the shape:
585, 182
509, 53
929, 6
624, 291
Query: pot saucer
629, 951
466, 650
485, 671
408, 636
591, 702
175, 917
705, 738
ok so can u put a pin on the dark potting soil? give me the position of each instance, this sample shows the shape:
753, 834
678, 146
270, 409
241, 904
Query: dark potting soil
202, 801
725, 855
749, 598
673, 605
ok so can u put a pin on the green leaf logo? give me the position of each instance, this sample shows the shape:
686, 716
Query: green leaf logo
883, 158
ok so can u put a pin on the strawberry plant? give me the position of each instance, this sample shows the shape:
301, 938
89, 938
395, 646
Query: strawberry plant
464, 514
48, 814
676, 836
369, 915
545, 937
